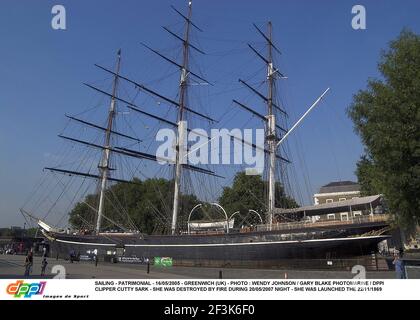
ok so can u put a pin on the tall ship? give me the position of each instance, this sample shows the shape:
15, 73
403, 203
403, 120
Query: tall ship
189, 228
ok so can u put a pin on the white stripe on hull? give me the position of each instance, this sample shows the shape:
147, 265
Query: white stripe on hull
218, 244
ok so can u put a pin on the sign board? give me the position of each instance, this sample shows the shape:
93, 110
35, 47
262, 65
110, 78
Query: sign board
132, 260
84, 257
163, 261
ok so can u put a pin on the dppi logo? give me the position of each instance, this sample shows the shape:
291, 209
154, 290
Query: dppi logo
27, 290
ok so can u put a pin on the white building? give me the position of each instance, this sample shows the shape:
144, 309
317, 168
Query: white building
337, 191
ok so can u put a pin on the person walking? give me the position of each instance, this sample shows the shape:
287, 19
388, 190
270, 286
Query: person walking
400, 265
29, 260
44, 251
44, 264
95, 252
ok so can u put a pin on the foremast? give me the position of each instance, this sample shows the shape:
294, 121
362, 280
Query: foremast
104, 166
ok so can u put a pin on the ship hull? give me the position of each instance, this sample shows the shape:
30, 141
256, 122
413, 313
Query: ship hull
257, 246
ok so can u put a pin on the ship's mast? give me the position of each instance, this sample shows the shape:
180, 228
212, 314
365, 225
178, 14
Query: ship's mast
180, 124
271, 132
273, 141
269, 119
183, 86
106, 155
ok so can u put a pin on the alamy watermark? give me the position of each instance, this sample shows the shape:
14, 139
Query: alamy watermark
222, 146
58, 21
359, 20
359, 271
59, 271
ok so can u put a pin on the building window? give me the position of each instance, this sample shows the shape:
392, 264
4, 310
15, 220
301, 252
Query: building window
329, 201
357, 213
315, 218
331, 216
344, 216
342, 199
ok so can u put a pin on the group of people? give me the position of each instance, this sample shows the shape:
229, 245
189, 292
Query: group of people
29, 262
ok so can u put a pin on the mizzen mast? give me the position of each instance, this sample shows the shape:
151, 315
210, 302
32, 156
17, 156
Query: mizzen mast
270, 119
106, 155
273, 141
271, 123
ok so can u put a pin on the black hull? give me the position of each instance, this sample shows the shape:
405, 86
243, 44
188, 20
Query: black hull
257, 246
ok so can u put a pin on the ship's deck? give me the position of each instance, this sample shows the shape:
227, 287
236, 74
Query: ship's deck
362, 222
381, 218
370, 220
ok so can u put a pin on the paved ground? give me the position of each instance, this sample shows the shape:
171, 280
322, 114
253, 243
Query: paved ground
11, 267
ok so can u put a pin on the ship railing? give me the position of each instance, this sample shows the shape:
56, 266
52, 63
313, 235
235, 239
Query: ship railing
322, 223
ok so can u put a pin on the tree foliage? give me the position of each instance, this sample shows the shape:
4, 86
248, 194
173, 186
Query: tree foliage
250, 192
387, 117
141, 204
18, 232
147, 204
368, 178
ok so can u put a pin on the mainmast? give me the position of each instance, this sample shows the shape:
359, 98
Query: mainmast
180, 124
179, 148
106, 155
271, 132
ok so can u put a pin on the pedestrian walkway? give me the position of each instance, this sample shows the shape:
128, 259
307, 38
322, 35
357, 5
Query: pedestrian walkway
12, 266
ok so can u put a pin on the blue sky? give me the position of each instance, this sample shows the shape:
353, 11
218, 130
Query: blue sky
42, 70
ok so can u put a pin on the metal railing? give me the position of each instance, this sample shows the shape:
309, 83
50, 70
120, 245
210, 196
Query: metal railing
304, 224
324, 223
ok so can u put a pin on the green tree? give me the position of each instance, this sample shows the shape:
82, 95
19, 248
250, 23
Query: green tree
368, 176
387, 117
5, 232
250, 192
32, 232
142, 205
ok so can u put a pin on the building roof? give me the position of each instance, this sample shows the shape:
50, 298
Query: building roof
340, 186
334, 207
